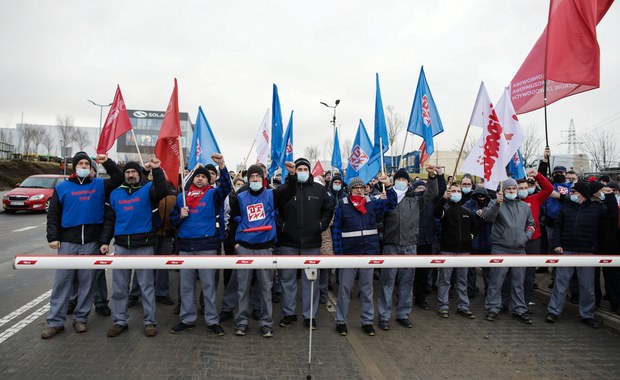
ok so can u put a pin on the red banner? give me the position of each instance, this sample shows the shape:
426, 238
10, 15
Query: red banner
167, 148
318, 169
116, 124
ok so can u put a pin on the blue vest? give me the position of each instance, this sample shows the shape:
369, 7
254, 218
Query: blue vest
552, 206
201, 220
81, 204
134, 214
256, 211
359, 231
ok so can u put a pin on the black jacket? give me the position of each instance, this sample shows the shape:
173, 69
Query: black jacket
306, 215
428, 231
457, 226
86, 233
577, 226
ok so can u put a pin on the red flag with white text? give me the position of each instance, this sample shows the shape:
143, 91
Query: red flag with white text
116, 123
167, 148
318, 169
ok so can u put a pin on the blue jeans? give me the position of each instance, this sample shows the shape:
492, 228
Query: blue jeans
288, 279
188, 312
443, 286
347, 278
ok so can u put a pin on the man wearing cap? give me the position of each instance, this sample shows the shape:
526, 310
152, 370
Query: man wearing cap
129, 219
400, 237
513, 226
304, 218
576, 231
195, 219
74, 222
354, 232
255, 211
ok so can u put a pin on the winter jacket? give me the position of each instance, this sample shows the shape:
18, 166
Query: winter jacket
457, 226
576, 228
481, 242
513, 225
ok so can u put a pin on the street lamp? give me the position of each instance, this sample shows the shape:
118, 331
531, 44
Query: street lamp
100, 115
334, 118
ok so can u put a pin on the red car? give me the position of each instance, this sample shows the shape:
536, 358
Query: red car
33, 194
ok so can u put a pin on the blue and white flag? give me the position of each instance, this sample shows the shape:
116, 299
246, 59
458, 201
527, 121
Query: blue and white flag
287, 147
382, 142
276, 131
359, 161
424, 119
203, 143
336, 156
515, 166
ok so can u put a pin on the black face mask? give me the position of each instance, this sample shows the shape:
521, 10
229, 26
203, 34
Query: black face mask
482, 201
559, 178
418, 193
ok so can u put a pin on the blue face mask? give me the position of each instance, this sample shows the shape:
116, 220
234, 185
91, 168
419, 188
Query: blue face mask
511, 196
523, 194
530, 190
337, 187
466, 189
456, 197
255, 186
303, 177
574, 198
82, 173
400, 185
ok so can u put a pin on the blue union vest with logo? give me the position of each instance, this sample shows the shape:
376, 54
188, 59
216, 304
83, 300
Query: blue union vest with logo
201, 220
256, 211
133, 211
81, 204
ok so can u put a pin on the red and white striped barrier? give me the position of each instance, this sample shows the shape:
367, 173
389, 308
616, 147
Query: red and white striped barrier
300, 262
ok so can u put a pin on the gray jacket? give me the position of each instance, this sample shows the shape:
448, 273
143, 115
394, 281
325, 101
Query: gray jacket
513, 225
401, 225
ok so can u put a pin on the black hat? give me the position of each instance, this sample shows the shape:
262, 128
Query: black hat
595, 186
559, 169
402, 173
613, 185
201, 170
302, 161
582, 188
133, 165
82, 156
210, 167
336, 177
256, 169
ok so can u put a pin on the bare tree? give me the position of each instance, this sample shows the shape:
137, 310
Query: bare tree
328, 147
38, 135
81, 138
312, 153
346, 152
600, 145
467, 147
27, 134
65, 128
48, 143
6, 137
531, 146
394, 125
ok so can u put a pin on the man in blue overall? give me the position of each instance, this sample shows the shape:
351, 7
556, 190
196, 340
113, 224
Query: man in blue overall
130, 220
74, 222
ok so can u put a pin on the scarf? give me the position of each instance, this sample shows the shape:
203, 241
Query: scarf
359, 202
195, 194
401, 194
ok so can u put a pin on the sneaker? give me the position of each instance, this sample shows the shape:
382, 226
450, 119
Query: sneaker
150, 330
369, 330
307, 323
180, 327
491, 316
323, 299
79, 327
116, 330
590, 322
256, 314
405, 322
241, 330
266, 331
51, 332
384, 325
466, 313
342, 329
287, 320
132, 301
164, 300
104, 311
225, 315
216, 329
443, 313
551, 318
523, 318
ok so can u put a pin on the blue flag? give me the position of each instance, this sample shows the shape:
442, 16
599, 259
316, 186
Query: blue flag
203, 142
424, 120
287, 147
336, 156
381, 136
359, 160
515, 166
276, 131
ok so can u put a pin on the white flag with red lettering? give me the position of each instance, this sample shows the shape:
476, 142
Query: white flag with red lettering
489, 157
510, 122
263, 141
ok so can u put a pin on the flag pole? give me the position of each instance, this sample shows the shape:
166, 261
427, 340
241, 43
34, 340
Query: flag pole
181, 167
250, 152
381, 151
402, 154
138, 149
460, 153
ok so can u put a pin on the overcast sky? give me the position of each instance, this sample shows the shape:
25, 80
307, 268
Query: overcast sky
227, 54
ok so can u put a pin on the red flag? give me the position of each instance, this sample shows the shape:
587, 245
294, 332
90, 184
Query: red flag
116, 124
167, 148
423, 155
566, 54
318, 169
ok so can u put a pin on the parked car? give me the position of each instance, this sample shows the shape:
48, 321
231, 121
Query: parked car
33, 194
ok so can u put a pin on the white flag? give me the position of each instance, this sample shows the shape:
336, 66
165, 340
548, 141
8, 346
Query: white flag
510, 123
489, 157
263, 141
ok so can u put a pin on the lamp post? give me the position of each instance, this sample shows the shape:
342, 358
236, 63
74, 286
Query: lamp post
100, 115
333, 119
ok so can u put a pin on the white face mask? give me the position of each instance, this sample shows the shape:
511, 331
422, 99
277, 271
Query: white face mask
337, 187
82, 173
256, 186
303, 177
400, 185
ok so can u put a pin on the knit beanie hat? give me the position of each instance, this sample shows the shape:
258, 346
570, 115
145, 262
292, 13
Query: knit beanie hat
82, 156
302, 161
356, 181
133, 165
256, 169
582, 188
402, 173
